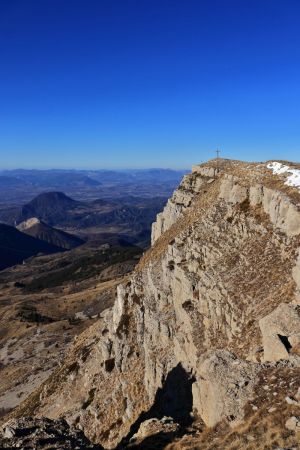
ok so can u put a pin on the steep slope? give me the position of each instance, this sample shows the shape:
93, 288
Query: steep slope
45, 303
16, 246
40, 230
207, 331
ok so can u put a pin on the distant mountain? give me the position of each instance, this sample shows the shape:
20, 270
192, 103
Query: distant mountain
57, 209
51, 207
20, 186
7, 181
40, 230
128, 217
50, 178
16, 246
137, 175
65, 179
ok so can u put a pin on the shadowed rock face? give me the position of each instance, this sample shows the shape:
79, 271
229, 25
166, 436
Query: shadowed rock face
172, 405
183, 338
40, 230
15, 246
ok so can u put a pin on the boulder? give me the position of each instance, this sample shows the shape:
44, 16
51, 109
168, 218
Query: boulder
293, 424
280, 332
223, 385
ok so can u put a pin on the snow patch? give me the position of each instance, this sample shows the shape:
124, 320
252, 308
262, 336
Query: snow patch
293, 177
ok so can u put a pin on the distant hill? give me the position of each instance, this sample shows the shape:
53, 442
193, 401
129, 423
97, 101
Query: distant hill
128, 217
41, 294
50, 178
16, 246
40, 230
132, 215
7, 181
51, 207
68, 177
20, 186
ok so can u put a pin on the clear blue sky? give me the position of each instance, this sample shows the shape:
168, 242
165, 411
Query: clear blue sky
148, 83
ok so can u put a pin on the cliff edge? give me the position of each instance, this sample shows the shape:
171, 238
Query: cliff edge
202, 346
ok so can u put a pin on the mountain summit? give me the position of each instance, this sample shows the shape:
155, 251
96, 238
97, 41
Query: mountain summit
49, 206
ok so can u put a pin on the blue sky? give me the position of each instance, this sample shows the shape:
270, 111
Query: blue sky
148, 83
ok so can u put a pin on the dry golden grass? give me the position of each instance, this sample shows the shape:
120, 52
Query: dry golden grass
207, 195
247, 173
37, 326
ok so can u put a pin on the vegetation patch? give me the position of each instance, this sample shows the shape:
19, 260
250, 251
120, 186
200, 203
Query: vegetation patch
90, 398
29, 313
245, 206
83, 268
123, 325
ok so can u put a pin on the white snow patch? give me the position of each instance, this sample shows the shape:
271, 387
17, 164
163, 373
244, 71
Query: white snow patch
293, 177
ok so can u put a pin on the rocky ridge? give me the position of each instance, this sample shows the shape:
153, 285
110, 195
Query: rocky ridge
37, 228
211, 313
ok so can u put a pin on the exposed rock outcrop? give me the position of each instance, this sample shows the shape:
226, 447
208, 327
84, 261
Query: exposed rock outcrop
28, 223
39, 434
183, 338
281, 333
224, 386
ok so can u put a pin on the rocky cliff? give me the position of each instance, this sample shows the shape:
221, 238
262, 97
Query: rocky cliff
206, 334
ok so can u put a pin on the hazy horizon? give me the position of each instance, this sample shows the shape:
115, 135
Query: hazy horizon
87, 169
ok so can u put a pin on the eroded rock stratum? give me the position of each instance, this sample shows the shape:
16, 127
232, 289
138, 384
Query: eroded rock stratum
205, 328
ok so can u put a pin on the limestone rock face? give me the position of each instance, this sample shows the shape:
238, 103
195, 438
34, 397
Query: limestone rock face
28, 223
281, 332
296, 276
154, 426
231, 191
181, 340
182, 198
223, 386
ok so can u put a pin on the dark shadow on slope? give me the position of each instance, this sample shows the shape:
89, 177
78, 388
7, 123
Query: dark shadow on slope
285, 342
174, 400
157, 441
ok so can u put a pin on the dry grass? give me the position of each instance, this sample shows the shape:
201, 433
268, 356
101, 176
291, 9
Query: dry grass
200, 205
30, 349
248, 174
